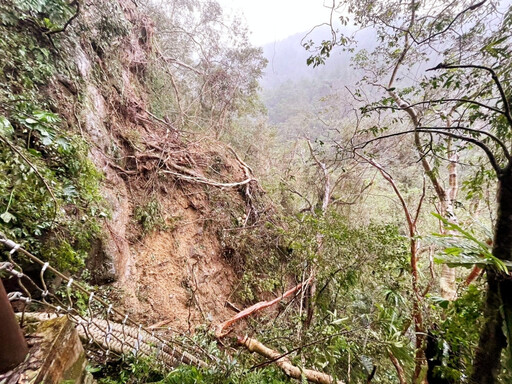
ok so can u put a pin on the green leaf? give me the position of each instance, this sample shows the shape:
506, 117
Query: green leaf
34, 152
7, 217
443, 303
470, 261
46, 140
339, 321
455, 251
46, 117
29, 120
92, 369
6, 128
471, 255
454, 227
367, 363
63, 143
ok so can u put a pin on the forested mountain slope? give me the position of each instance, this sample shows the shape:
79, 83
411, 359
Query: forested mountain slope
340, 221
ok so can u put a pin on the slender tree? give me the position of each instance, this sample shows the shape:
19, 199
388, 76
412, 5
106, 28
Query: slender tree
464, 101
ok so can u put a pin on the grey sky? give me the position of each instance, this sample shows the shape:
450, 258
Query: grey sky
271, 20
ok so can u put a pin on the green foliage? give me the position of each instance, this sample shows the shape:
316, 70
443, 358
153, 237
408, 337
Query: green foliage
362, 286
49, 197
149, 215
406, 42
49, 15
145, 370
129, 370
456, 334
214, 79
254, 255
343, 243
361, 295
109, 27
465, 249
225, 370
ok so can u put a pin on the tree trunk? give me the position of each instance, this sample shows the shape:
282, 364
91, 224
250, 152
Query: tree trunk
487, 361
399, 369
448, 279
13, 347
282, 362
492, 340
503, 249
502, 246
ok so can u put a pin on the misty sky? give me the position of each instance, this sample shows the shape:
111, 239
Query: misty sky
271, 20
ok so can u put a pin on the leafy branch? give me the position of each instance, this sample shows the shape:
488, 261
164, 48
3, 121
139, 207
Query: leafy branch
476, 253
36, 171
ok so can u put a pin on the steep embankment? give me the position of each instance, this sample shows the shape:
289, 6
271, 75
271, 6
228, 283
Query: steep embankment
166, 194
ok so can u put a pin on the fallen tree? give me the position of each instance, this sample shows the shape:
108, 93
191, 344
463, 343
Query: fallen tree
221, 328
282, 362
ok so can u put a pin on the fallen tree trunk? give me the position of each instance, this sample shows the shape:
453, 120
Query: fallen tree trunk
220, 330
289, 369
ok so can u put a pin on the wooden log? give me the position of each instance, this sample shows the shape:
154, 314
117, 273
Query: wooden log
288, 368
221, 328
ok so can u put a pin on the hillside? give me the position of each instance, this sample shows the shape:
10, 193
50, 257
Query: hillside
179, 206
293, 91
140, 198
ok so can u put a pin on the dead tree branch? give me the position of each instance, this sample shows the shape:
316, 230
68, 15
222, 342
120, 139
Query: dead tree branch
220, 329
327, 177
203, 180
289, 369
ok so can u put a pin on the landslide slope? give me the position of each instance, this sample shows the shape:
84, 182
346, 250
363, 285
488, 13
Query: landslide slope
153, 218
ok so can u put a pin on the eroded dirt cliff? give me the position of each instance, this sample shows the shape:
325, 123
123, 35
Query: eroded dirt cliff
170, 193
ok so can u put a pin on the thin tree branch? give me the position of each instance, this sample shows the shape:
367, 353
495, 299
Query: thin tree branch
391, 181
399, 369
327, 177
310, 206
472, 130
181, 64
470, 8
494, 76
203, 180
479, 144
423, 193
63, 29
494, 109
406, 45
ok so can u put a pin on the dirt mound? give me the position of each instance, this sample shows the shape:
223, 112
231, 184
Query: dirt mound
179, 274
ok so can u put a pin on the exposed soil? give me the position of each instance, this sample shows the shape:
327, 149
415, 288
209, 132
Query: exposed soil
175, 275
179, 275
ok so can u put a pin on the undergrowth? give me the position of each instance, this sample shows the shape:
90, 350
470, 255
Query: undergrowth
150, 216
49, 197
145, 371
224, 369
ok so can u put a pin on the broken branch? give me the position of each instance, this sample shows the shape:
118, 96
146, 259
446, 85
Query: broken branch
220, 331
289, 369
